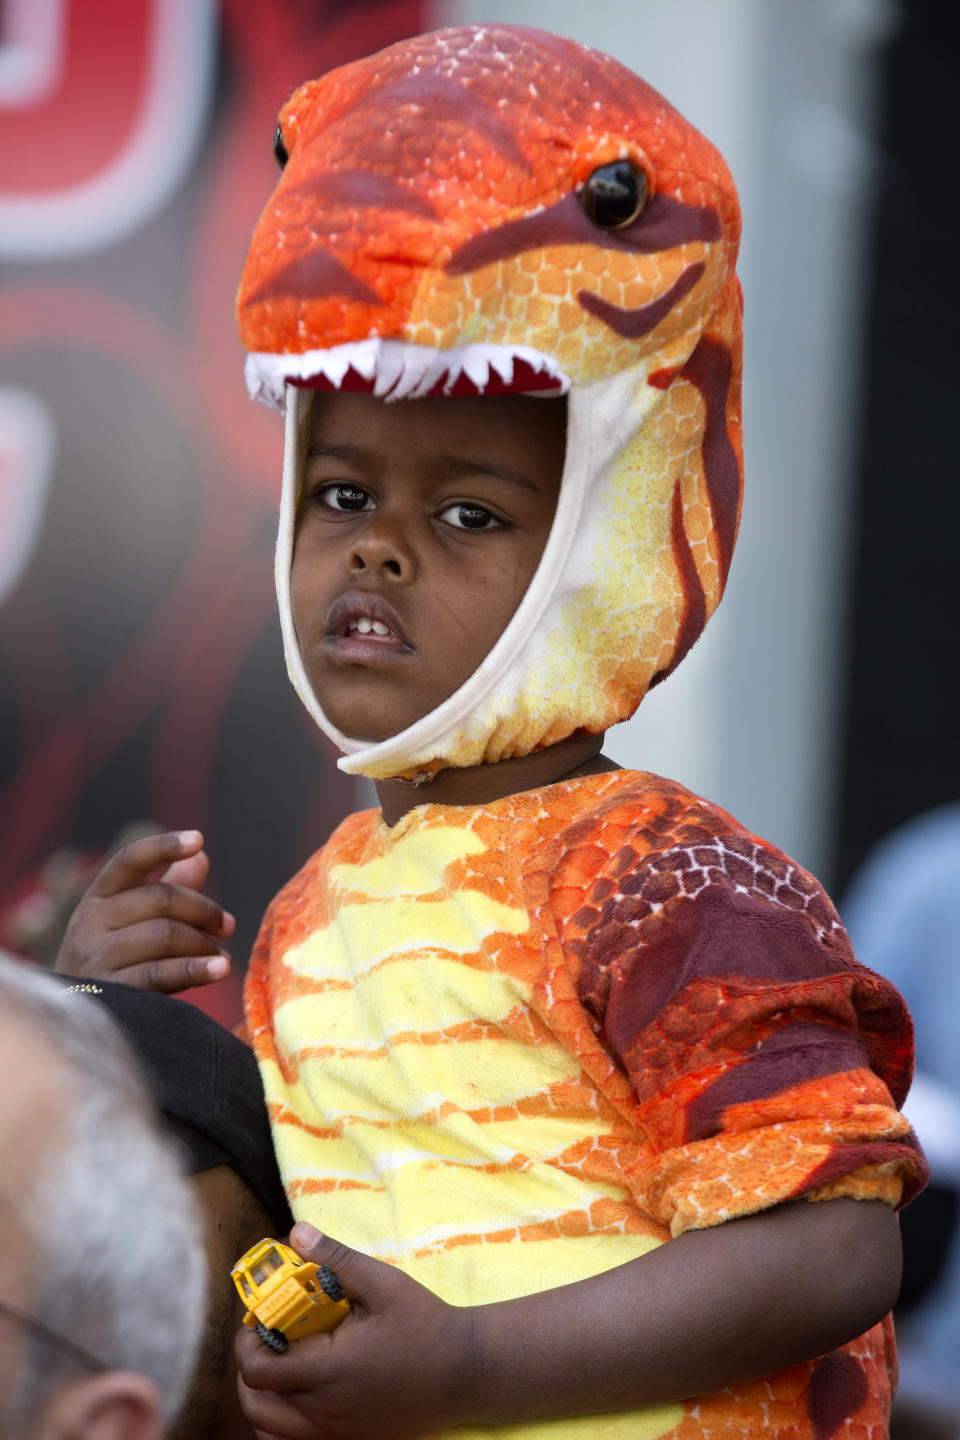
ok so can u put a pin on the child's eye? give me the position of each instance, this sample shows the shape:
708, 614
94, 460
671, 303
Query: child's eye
469, 517
346, 497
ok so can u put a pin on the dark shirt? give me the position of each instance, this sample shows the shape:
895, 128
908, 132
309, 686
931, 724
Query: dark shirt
204, 1081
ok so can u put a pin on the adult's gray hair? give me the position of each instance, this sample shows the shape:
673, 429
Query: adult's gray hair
122, 1269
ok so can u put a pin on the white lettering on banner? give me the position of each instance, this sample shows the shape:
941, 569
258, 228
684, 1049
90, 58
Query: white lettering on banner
31, 51
153, 155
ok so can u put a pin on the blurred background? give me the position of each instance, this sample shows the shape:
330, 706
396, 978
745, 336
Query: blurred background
141, 677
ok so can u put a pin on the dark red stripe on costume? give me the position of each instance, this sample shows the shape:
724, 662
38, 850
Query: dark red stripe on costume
313, 276
787, 1058
663, 224
635, 323
442, 100
694, 600
585, 70
837, 1389
710, 368
724, 936
362, 190
844, 1159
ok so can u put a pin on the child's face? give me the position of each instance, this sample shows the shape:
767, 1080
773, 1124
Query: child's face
419, 528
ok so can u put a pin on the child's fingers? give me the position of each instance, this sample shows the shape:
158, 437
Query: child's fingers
183, 972
362, 1277
132, 864
192, 871
272, 1416
309, 1365
159, 900
161, 938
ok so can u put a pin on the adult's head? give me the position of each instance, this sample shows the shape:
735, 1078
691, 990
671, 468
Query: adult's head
102, 1269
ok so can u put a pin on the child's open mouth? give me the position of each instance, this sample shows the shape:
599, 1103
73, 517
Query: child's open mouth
361, 626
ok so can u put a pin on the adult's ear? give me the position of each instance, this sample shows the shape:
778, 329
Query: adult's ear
115, 1405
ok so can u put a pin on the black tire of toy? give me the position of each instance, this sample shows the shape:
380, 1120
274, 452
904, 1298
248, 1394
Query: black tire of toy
275, 1339
329, 1283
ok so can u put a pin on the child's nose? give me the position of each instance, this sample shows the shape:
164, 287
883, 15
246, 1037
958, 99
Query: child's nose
382, 550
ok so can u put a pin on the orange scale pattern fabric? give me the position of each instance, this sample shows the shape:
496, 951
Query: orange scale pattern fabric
511, 1046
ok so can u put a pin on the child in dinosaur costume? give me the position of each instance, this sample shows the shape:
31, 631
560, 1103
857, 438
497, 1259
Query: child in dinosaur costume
535, 1030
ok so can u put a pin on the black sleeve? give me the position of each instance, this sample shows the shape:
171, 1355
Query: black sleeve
204, 1081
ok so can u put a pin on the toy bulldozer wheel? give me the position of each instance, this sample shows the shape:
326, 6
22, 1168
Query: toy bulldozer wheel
329, 1283
276, 1339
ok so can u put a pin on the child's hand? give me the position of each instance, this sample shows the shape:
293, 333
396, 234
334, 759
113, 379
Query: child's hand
157, 934
395, 1366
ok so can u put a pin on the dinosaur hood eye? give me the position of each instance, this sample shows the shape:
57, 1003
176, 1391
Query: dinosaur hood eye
279, 149
614, 195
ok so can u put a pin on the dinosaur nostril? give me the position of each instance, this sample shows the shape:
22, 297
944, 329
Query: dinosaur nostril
279, 149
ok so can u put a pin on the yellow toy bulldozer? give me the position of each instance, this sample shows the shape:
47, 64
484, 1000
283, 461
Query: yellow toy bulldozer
286, 1297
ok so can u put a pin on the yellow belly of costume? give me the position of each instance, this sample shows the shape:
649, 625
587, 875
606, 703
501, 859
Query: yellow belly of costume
422, 1117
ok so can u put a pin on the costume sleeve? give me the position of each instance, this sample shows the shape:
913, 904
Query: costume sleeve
767, 1064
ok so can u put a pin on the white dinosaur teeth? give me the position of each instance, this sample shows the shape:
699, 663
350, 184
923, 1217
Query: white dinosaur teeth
363, 357
388, 373
414, 369
397, 369
502, 362
476, 367
335, 367
436, 369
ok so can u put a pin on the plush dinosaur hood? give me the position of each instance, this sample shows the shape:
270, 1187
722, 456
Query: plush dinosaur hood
493, 209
